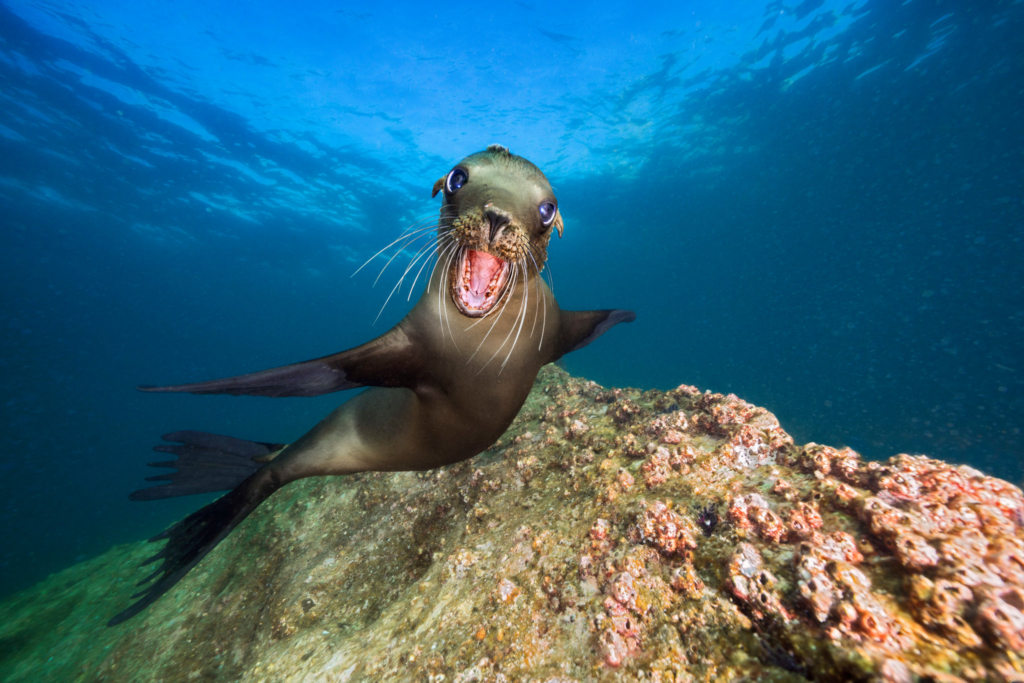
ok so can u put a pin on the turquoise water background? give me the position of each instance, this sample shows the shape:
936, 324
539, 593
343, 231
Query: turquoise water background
816, 205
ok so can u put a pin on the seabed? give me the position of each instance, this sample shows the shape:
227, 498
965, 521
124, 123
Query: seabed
610, 535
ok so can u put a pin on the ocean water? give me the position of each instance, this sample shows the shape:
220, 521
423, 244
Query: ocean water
815, 205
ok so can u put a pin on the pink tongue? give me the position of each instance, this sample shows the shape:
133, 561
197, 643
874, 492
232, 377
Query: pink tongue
482, 267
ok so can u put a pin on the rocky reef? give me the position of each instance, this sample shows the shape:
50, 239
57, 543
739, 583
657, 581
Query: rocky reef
610, 535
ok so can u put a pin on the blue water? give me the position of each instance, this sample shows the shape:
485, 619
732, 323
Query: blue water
817, 206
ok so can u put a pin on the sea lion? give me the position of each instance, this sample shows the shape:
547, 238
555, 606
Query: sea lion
448, 379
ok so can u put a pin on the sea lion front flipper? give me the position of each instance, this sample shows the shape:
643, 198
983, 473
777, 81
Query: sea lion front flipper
579, 328
390, 360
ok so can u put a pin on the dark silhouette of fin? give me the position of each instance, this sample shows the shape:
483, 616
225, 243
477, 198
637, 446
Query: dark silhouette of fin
206, 463
579, 328
192, 538
390, 360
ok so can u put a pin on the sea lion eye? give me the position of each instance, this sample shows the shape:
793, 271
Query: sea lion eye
456, 179
547, 213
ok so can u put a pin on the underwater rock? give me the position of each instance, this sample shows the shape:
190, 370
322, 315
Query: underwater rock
608, 535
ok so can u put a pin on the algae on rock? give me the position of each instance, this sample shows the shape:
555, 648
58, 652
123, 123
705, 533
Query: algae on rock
609, 535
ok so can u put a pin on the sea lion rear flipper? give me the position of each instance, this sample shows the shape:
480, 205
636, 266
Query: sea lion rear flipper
579, 328
206, 463
390, 360
191, 539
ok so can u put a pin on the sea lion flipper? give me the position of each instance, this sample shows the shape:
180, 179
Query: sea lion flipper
191, 539
390, 360
205, 463
579, 328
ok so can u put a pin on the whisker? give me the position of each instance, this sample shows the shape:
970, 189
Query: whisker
432, 217
478, 321
500, 313
522, 315
543, 302
423, 251
451, 211
437, 245
515, 278
441, 285
404, 247
436, 263
551, 276
448, 321
420, 224
536, 305
398, 284
445, 207
400, 238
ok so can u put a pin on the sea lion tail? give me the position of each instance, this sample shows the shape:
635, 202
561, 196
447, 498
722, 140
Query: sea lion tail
206, 463
189, 541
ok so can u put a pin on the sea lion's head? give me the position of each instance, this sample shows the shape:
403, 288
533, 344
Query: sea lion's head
498, 214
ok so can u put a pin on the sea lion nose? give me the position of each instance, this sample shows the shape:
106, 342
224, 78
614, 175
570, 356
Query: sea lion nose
498, 219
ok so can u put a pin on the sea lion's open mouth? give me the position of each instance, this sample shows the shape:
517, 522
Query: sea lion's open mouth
478, 282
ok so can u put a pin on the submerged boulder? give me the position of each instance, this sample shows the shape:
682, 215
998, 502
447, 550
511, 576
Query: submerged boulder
609, 535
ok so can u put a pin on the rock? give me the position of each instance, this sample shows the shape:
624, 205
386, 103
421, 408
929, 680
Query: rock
585, 546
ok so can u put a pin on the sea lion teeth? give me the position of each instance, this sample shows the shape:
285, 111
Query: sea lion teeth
433, 400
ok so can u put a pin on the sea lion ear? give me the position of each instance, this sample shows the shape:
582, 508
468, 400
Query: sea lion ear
437, 186
558, 223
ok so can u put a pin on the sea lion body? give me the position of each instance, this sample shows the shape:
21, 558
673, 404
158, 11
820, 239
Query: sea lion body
446, 381
454, 413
